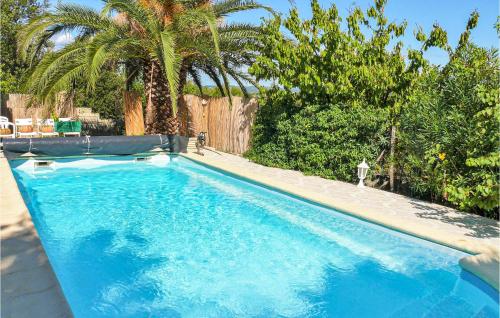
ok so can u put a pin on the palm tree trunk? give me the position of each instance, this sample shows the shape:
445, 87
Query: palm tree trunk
156, 90
159, 115
148, 91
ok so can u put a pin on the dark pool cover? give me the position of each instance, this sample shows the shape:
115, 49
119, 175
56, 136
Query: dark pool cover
99, 145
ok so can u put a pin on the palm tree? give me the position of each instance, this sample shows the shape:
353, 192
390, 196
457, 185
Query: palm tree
164, 40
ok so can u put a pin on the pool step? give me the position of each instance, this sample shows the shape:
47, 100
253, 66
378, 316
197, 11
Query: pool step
191, 146
450, 306
438, 306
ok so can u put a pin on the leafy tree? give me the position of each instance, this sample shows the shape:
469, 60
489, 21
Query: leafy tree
164, 40
13, 14
348, 92
106, 98
350, 74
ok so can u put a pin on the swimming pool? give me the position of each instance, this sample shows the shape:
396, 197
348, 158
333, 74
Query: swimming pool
171, 238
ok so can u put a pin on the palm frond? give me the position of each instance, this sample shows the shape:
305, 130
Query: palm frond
235, 76
196, 78
52, 63
247, 78
32, 33
64, 82
142, 19
240, 31
81, 17
212, 73
66, 18
226, 7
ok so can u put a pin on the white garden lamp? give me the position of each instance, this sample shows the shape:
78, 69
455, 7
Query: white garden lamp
362, 172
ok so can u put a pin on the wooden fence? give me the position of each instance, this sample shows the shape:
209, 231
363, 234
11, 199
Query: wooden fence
228, 127
133, 114
18, 106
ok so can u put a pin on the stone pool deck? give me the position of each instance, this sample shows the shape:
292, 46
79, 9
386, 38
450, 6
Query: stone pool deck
29, 287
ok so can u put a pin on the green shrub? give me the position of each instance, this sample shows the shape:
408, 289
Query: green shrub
328, 140
107, 97
455, 112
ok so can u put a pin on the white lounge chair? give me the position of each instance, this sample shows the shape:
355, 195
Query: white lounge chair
24, 128
46, 128
7, 129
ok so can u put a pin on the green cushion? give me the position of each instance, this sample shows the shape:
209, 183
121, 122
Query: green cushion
68, 126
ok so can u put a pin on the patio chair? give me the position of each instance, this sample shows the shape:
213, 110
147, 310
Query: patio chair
24, 128
46, 128
76, 133
7, 129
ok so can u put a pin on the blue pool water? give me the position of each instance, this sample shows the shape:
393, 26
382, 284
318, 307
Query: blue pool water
171, 238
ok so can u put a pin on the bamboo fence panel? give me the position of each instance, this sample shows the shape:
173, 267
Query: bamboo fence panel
192, 118
134, 118
228, 128
18, 106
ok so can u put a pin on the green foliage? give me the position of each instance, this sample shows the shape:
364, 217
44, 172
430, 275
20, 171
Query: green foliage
341, 89
13, 13
106, 98
182, 37
325, 140
455, 111
210, 91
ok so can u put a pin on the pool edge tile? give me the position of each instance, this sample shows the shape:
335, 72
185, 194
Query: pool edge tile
18, 237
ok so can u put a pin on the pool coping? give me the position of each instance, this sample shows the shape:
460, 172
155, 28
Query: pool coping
484, 261
29, 286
